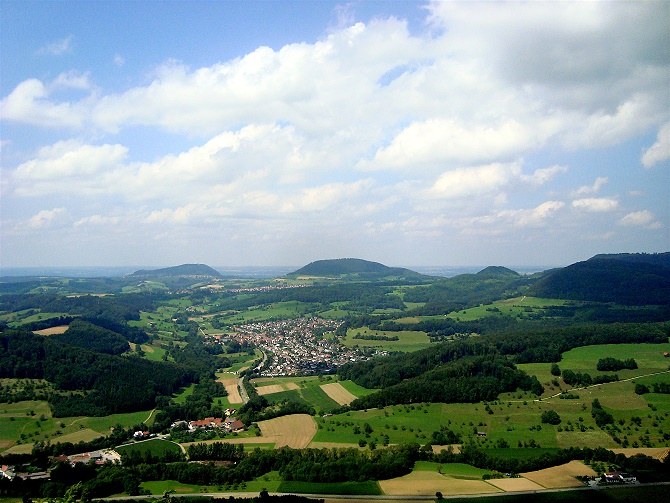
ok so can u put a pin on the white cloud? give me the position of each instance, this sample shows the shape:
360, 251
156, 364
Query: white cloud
68, 166
98, 220
437, 141
596, 204
45, 218
467, 182
591, 189
57, 47
660, 150
643, 218
119, 60
543, 175
533, 217
29, 103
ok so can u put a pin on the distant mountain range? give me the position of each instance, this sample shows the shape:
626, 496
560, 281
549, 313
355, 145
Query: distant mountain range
184, 270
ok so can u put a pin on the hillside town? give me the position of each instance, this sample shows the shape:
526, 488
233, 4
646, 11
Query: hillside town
296, 347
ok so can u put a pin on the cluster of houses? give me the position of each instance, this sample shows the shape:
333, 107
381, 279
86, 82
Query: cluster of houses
297, 346
229, 424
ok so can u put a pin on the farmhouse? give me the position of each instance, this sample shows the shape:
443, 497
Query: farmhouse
208, 422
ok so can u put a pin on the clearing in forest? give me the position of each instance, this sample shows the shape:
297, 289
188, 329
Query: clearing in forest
338, 393
60, 329
295, 431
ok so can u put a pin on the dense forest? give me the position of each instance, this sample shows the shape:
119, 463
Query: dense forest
111, 383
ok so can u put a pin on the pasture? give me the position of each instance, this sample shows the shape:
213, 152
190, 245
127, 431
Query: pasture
24, 423
408, 340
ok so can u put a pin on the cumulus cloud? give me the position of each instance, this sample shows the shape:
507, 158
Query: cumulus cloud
45, 218
533, 217
643, 218
660, 150
596, 204
593, 188
543, 175
66, 166
467, 182
29, 103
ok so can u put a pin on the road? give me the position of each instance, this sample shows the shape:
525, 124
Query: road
240, 382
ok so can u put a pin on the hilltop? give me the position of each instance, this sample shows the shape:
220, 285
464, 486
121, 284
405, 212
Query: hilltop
353, 267
629, 279
189, 270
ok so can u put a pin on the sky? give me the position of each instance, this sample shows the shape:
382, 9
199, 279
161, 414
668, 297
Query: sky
248, 133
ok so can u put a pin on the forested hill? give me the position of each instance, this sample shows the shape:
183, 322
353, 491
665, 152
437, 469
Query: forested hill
657, 259
353, 266
626, 280
179, 270
496, 271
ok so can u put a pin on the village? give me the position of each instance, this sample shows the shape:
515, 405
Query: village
296, 347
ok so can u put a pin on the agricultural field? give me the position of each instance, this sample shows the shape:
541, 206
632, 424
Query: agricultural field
518, 307
408, 340
24, 423
300, 389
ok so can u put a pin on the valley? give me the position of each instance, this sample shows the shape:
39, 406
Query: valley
477, 384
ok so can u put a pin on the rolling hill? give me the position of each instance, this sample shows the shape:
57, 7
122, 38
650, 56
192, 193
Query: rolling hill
629, 279
184, 270
353, 267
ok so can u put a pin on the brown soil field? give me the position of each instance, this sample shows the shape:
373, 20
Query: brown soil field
338, 393
230, 384
514, 485
659, 453
276, 388
60, 329
560, 476
296, 430
233, 394
428, 483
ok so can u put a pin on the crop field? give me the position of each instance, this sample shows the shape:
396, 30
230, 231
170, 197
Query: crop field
356, 389
518, 307
296, 430
300, 389
408, 340
560, 476
428, 482
338, 393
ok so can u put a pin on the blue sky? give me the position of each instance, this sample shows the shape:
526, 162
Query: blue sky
277, 133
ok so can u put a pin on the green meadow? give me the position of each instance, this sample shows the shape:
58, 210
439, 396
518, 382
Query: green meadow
24, 423
408, 340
